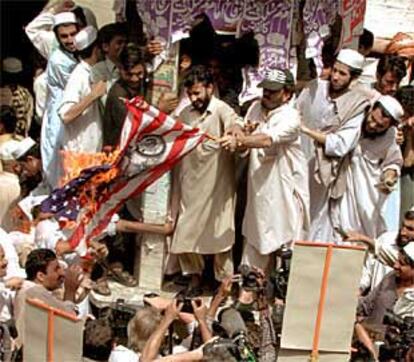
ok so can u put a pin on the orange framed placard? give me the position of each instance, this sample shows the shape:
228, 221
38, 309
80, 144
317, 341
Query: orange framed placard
51, 334
321, 300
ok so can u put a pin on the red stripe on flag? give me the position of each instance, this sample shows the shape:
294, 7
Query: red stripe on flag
173, 157
156, 123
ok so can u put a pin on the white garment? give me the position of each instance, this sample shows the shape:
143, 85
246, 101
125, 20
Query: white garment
40, 91
84, 134
277, 209
362, 207
40, 33
325, 213
59, 68
6, 303
380, 264
316, 109
13, 266
9, 197
107, 71
123, 354
47, 234
369, 71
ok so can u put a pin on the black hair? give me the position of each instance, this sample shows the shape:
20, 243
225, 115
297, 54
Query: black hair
8, 118
98, 338
394, 64
405, 95
409, 215
328, 53
37, 261
110, 31
80, 16
198, 74
131, 56
366, 40
87, 52
55, 30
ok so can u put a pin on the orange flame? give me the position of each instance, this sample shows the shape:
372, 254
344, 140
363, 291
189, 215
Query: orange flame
73, 164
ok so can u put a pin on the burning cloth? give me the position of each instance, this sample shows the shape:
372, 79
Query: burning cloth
151, 144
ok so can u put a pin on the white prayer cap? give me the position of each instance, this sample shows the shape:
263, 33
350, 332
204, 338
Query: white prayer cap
23, 147
351, 58
392, 106
85, 37
12, 65
409, 250
29, 202
7, 150
64, 18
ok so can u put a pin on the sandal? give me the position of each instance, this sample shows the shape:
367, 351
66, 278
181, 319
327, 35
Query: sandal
102, 287
123, 277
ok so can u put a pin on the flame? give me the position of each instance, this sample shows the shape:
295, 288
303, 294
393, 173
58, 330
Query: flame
74, 162
96, 188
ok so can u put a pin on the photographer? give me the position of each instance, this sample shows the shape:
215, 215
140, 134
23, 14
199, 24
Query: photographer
395, 292
172, 312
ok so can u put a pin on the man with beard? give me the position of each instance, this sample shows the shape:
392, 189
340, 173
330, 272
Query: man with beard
204, 185
60, 65
277, 175
79, 111
373, 170
384, 250
332, 117
21, 164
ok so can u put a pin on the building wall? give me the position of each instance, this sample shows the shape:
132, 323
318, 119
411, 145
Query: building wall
387, 17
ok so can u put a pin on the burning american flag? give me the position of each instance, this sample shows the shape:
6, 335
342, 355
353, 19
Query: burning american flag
151, 144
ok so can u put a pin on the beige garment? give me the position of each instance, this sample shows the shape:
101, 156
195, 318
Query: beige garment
277, 209
9, 196
206, 184
35, 291
191, 263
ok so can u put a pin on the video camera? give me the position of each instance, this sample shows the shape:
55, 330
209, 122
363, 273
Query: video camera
399, 337
236, 344
276, 285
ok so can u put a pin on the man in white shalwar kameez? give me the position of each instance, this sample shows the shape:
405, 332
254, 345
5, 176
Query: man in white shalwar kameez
383, 250
335, 135
373, 171
277, 210
60, 65
80, 112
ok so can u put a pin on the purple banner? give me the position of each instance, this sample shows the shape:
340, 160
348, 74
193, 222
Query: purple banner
270, 20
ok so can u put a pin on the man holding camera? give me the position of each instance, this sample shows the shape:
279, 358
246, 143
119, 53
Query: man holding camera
395, 293
277, 187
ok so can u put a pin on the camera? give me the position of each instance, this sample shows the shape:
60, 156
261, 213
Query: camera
276, 285
186, 301
399, 337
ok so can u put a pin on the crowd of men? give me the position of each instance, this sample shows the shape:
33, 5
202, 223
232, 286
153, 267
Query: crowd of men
331, 162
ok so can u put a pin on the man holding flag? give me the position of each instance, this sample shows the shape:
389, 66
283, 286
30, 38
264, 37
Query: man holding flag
204, 186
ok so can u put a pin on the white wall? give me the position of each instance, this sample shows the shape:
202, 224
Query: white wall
385, 18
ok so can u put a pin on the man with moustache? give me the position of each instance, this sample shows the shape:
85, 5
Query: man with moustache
204, 186
332, 116
277, 175
44, 276
373, 170
60, 65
